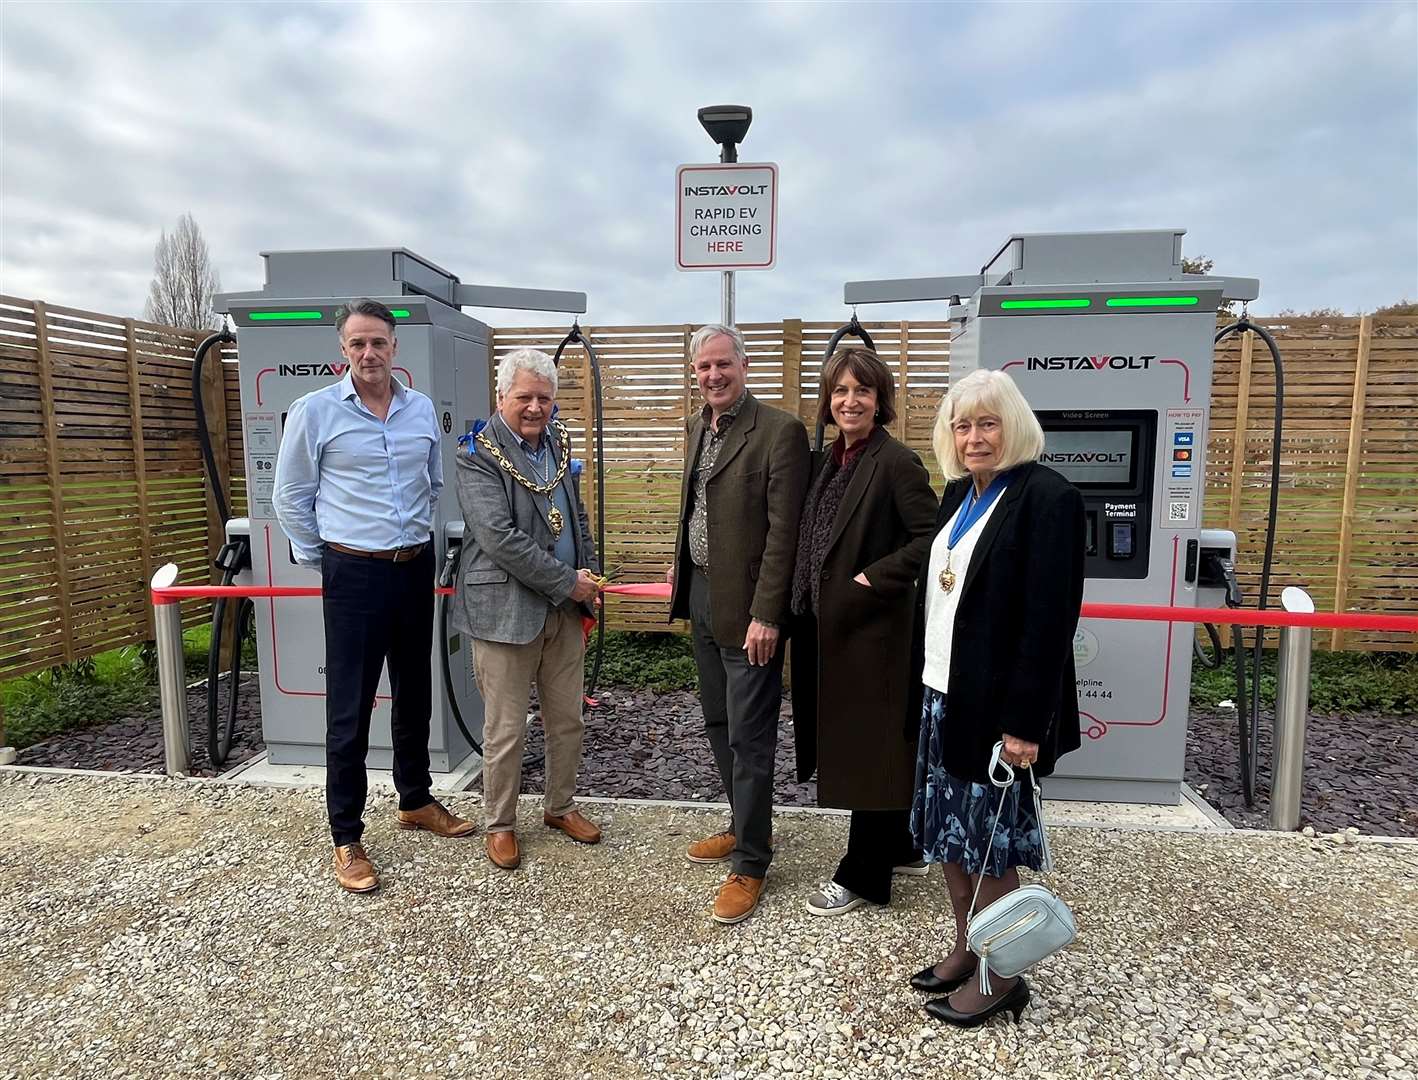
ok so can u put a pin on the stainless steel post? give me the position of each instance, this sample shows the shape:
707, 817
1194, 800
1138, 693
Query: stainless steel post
726, 307
1292, 708
167, 619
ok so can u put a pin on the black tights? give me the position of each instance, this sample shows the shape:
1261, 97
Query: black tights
961, 887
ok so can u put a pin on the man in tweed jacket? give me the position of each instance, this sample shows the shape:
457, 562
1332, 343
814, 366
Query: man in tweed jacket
745, 475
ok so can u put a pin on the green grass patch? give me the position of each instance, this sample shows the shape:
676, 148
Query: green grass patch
1343, 682
97, 690
642, 661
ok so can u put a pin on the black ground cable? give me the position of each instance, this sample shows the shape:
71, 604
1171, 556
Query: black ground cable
578, 336
234, 557
446, 578
856, 329
1248, 711
204, 437
1213, 659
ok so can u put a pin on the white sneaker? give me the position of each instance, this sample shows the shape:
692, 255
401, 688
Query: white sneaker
833, 899
919, 868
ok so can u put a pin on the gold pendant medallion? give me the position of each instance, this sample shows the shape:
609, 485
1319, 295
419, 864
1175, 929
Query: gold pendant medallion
947, 578
554, 519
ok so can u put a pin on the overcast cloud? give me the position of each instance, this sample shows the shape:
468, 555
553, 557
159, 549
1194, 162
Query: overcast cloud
536, 145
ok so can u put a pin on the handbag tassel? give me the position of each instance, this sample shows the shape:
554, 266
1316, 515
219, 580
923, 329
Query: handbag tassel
984, 977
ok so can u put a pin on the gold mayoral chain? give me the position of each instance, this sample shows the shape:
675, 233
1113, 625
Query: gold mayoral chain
554, 516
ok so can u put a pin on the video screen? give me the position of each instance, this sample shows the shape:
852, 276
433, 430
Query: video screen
1092, 457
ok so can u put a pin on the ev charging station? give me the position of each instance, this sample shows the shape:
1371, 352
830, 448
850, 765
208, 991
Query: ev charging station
1111, 344
288, 347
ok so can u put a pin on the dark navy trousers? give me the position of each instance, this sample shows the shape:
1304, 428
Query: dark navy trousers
376, 610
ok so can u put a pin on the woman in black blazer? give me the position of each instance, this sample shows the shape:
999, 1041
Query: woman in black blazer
997, 605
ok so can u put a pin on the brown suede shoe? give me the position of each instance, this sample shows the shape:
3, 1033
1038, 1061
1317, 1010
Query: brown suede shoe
502, 850
574, 825
717, 848
353, 870
436, 819
714, 848
737, 898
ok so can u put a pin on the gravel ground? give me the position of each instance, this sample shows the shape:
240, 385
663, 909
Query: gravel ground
169, 928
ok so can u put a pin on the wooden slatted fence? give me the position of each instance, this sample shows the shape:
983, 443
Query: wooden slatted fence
102, 477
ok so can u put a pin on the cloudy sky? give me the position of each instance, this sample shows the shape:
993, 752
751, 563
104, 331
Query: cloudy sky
521, 144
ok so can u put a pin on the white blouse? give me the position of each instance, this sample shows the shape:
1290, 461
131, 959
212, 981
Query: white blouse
941, 605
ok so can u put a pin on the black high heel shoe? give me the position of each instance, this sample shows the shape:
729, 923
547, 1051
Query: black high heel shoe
1013, 1002
928, 982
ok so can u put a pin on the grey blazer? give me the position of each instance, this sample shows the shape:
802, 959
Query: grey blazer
509, 575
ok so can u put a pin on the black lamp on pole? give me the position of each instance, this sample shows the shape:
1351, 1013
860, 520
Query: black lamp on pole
727, 125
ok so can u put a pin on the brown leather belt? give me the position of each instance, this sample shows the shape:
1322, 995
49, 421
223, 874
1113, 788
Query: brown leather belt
403, 554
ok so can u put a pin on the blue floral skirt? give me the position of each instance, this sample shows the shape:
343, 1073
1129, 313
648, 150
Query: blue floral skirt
951, 818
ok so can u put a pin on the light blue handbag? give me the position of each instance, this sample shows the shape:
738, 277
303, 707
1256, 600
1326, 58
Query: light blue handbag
1024, 926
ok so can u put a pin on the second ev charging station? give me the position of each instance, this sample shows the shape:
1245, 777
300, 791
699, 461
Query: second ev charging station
1111, 344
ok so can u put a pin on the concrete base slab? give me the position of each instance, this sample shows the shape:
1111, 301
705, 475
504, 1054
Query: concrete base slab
260, 772
1193, 812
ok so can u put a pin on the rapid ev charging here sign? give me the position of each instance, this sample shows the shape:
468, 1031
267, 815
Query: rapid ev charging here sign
726, 217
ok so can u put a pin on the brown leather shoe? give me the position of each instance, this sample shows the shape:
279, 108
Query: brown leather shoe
574, 825
436, 819
502, 850
353, 870
737, 898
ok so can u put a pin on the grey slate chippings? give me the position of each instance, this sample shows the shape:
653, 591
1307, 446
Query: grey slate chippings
158, 928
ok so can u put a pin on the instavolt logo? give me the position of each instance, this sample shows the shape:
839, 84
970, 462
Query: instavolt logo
1116, 362
700, 191
307, 370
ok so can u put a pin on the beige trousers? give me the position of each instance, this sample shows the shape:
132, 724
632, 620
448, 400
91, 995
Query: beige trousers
555, 660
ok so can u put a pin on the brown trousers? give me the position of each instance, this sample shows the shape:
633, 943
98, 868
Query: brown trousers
555, 660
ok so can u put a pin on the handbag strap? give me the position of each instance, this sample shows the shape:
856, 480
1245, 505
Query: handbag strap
1004, 783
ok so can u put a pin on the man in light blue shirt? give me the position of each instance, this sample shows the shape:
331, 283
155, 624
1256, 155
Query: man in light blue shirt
357, 476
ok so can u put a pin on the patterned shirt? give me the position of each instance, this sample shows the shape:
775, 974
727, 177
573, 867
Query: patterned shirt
710, 443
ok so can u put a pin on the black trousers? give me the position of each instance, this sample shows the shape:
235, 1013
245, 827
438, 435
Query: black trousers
375, 610
876, 841
741, 703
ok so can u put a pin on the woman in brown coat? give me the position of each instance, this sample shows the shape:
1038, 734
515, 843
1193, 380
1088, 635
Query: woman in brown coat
865, 530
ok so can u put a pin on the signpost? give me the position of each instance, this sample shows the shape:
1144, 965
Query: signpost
726, 217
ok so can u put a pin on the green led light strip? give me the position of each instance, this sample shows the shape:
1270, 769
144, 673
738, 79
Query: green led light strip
285, 316
1153, 301
399, 313
1027, 305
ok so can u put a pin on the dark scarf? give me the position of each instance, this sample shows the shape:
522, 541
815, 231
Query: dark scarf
824, 499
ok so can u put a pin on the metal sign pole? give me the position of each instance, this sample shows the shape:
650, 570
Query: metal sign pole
726, 307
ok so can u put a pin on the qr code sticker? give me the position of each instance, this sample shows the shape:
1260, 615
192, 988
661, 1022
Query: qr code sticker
1178, 511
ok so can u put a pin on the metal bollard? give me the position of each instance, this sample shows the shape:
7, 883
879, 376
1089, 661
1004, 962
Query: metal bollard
167, 619
1292, 708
